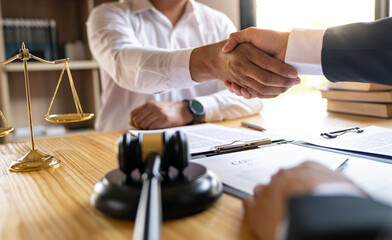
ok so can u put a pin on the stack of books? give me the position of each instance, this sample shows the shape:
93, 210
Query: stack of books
39, 36
359, 98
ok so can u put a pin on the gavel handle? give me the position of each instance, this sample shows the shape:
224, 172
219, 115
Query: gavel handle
149, 212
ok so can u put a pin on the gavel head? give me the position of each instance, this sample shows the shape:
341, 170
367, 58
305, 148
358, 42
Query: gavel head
134, 150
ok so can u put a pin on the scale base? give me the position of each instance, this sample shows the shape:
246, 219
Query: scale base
182, 195
32, 161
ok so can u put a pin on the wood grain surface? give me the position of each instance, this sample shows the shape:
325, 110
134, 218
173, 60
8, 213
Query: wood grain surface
54, 203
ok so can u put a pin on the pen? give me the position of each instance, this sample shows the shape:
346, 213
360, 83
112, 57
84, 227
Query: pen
253, 126
341, 167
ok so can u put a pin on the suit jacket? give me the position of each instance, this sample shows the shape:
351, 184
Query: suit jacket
359, 52
338, 217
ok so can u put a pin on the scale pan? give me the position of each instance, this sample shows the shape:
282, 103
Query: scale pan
4, 131
69, 117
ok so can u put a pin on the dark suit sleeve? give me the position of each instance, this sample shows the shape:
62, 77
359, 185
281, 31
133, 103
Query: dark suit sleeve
359, 52
325, 218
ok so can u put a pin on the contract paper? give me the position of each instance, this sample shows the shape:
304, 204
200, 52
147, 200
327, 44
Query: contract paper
204, 137
244, 170
373, 139
372, 176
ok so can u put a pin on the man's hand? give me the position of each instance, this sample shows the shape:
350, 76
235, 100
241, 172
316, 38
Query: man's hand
272, 42
260, 74
158, 115
266, 209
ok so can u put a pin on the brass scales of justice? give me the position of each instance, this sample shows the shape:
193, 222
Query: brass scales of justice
34, 159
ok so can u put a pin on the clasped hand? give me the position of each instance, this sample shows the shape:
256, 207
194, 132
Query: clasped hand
259, 73
251, 63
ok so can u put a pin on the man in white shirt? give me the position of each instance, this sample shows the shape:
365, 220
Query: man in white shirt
150, 64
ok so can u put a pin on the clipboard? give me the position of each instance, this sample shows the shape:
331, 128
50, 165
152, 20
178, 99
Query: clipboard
238, 145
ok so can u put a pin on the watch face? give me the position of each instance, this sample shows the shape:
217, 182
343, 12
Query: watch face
197, 107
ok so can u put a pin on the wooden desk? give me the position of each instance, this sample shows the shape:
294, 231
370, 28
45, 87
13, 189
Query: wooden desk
54, 203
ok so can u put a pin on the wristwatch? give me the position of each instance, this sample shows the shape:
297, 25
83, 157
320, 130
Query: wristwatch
196, 109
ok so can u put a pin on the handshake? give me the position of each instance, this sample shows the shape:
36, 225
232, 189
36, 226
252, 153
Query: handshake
250, 62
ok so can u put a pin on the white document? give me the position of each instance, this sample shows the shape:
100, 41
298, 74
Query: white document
374, 139
244, 170
372, 176
204, 137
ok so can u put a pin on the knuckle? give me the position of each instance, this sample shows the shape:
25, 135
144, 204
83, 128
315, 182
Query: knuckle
267, 81
238, 65
258, 95
282, 173
250, 29
265, 62
232, 35
261, 89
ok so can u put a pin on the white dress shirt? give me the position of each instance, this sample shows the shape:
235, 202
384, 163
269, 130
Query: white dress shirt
304, 50
142, 57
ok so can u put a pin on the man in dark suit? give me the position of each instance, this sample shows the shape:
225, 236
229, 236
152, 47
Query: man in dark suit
360, 52
313, 202
310, 201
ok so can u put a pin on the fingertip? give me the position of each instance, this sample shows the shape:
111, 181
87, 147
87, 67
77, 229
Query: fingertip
296, 81
245, 93
236, 87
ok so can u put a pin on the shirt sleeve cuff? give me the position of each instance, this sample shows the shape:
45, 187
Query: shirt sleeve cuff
304, 51
179, 68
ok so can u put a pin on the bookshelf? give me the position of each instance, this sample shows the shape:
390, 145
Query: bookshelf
70, 17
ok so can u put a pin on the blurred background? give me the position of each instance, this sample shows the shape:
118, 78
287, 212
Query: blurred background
63, 24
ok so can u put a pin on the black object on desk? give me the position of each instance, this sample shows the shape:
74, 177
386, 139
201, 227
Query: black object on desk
182, 195
168, 180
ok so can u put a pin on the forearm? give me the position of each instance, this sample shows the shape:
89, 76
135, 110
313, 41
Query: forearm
203, 62
145, 70
132, 65
360, 52
224, 105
